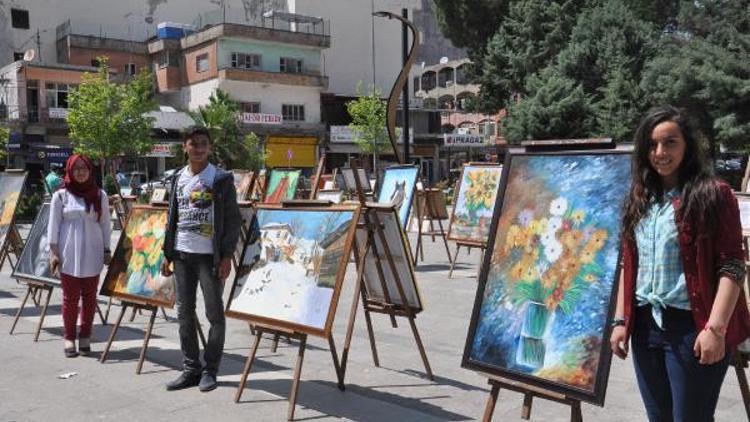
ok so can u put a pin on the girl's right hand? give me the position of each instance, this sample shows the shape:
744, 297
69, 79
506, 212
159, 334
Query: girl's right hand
166, 271
54, 265
618, 341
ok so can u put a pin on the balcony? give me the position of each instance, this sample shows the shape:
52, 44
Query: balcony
281, 78
45, 116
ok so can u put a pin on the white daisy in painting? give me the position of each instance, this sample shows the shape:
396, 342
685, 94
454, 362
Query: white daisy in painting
548, 237
525, 217
558, 206
552, 251
554, 224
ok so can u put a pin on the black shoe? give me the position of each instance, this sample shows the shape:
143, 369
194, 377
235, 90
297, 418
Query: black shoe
208, 382
185, 380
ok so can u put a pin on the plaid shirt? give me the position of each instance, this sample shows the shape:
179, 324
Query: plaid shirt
661, 279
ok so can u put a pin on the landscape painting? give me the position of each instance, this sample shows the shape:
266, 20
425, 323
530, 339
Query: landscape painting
11, 186
475, 203
134, 272
282, 185
300, 259
547, 285
34, 261
398, 189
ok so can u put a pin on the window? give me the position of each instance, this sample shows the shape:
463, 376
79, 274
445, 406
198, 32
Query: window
246, 61
201, 63
17, 56
169, 58
251, 107
290, 65
19, 18
130, 69
57, 95
293, 112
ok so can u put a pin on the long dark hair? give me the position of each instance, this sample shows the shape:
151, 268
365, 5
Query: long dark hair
697, 184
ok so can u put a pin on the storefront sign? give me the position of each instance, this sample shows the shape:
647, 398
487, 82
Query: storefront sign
341, 134
161, 150
455, 140
58, 113
262, 118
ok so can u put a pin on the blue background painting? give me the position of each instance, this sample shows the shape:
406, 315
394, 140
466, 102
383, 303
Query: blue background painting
398, 174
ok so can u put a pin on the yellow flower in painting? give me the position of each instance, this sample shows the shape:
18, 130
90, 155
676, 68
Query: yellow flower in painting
590, 278
598, 239
551, 277
153, 257
512, 233
517, 272
588, 254
571, 266
480, 192
10, 208
534, 227
577, 216
571, 239
137, 262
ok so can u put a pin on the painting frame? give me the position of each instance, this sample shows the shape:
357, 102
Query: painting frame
597, 393
347, 176
387, 188
118, 264
457, 196
8, 218
395, 236
293, 185
38, 231
743, 202
340, 276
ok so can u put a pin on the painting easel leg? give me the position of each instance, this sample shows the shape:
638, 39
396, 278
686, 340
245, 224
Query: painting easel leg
29, 289
106, 314
352, 313
489, 408
528, 400
164, 313
146, 338
105, 352
37, 296
295, 380
248, 365
44, 312
101, 316
421, 349
740, 363
275, 343
336, 366
453, 263
575, 412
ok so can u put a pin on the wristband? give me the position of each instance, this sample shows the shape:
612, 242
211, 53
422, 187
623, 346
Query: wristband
617, 322
719, 331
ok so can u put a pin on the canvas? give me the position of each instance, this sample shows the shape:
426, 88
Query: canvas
242, 183
11, 187
402, 258
547, 286
134, 272
302, 256
282, 185
335, 196
34, 261
398, 187
347, 177
475, 203
743, 200
159, 195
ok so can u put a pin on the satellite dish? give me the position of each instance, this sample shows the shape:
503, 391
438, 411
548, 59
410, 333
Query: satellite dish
29, 55
149, 20
443, 60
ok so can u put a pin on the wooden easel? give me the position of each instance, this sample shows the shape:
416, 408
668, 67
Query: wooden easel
740, 359
146, 338
427, 210
481, 246
529, 392
260, 329
315, 185
13, 245
374, 228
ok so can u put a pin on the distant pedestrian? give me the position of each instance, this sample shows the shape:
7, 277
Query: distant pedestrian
201, 236
54, 179
680, 292
79, 236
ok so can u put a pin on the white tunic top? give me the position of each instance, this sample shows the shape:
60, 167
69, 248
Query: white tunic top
80, 238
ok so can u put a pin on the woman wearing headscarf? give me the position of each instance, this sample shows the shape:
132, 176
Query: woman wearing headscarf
79, 236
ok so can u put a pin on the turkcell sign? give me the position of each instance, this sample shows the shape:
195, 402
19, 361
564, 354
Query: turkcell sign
262, 118
456, 140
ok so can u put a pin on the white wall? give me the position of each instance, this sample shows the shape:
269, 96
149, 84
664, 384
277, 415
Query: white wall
272, 96
196, 95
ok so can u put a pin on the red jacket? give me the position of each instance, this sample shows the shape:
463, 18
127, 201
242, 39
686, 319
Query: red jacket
702, 261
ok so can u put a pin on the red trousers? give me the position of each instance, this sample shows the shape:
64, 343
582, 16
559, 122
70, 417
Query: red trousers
77, 289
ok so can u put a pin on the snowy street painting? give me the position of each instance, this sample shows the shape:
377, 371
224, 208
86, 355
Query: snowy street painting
296, 277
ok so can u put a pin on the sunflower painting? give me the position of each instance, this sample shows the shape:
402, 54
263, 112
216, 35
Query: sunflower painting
134, 272
11, 185
475, 203
548, 279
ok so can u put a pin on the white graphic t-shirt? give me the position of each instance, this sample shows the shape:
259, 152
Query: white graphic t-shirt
195, 211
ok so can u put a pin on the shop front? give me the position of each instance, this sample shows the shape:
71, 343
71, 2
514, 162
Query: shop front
292, 151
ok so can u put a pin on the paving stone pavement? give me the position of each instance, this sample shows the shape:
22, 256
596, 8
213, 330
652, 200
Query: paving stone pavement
397, 391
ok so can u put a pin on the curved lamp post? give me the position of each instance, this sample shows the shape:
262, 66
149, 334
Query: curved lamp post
400, 82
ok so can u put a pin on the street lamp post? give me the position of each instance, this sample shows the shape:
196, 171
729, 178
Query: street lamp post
401, 84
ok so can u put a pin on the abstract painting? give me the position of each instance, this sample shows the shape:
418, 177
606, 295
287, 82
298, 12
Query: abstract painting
398, 188
34, 261
302, 256
11, 187
475, 203
282, 185
134, 272
547, 285
399, 250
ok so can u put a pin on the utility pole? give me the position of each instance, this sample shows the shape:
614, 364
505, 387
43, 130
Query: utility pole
39, 45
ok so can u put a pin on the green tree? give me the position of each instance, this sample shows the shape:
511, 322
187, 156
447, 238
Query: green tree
4, 136
106, 119
368, 113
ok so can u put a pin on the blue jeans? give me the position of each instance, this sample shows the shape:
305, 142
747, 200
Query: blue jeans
191, 270
673, 384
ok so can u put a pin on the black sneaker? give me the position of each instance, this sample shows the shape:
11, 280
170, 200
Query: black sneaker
208, 382
185, 380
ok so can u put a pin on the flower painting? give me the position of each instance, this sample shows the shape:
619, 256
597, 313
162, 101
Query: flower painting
282, 185
11, 185
398, 189
548, 280
475, 203
134, 272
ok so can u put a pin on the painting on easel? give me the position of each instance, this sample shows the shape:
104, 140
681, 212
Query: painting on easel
242, 183
301, 263
547, 286
398, 187
134, 272
34, 261
11, 186
475, 203
402, 259
282, 185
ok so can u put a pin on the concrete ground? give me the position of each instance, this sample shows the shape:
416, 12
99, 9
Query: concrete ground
32, 390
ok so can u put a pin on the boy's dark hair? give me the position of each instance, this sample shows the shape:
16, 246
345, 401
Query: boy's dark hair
196, 130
